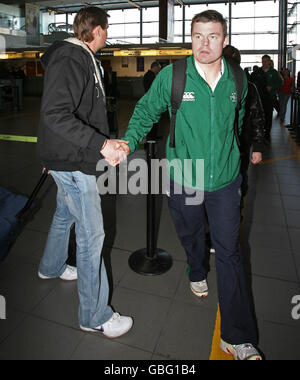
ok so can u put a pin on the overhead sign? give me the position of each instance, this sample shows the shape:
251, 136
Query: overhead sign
152, 53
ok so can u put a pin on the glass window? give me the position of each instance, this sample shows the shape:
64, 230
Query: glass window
61, 19
132, 30
243, 9
150, 25
178, 28
192, 10
188, 28
178, 13
150, 40
266, 41
116, 31
243, 41
243, 25
151, 14
151, 29
266, 8
124, 25
266, 24
71, 17
131, 15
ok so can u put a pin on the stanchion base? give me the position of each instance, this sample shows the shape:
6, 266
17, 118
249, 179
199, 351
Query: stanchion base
159, 264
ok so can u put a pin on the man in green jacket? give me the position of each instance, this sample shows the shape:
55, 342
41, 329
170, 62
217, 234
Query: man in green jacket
204, 131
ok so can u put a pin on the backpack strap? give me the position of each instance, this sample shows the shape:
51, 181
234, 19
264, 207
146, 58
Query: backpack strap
178, 87
238, 75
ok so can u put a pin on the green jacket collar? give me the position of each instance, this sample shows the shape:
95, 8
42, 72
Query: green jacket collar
192, 70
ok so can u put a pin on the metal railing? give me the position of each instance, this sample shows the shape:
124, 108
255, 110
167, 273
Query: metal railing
294, 126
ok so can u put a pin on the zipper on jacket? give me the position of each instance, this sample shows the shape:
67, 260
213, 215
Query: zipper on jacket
212, 131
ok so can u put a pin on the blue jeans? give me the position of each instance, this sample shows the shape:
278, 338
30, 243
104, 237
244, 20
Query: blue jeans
223, 209
78, 202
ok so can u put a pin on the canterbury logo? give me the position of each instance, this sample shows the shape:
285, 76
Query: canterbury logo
188, 97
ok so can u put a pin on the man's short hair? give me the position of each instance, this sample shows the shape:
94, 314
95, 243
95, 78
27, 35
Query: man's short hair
86, 20
210, 16
232, 52
155, 64
266, 56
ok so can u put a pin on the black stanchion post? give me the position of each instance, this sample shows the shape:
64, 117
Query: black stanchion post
297, 126
295, 115
150, 261
290, 126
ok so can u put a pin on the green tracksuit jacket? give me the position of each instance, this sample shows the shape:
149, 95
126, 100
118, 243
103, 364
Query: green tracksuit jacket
204, 127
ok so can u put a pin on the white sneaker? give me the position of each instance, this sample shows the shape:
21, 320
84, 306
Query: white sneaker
115, 327
70, 274
200, 288
241, 351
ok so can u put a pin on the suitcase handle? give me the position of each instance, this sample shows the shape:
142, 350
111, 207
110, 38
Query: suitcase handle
34, 193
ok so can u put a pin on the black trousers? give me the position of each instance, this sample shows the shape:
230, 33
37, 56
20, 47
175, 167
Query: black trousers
223, 211
268, 110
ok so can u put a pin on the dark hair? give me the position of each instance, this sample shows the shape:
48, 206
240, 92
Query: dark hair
231, 52
210, 16
266, 56
155, 64
86, 20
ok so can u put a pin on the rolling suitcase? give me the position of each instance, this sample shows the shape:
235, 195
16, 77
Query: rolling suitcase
14, 212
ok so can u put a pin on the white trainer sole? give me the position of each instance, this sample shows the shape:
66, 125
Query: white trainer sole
90, 330
200, 294
228, 349
42, 277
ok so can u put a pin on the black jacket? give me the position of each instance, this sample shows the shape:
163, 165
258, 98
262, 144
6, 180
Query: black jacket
148, 80
253, 130
73, 124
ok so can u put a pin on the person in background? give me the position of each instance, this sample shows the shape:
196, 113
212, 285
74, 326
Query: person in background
253, 128
151, 75
285, 93
148, 79
268, 82
5, 74
18, 73
110, 83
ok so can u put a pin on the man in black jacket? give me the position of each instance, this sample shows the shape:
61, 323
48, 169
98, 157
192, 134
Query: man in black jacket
73, 135
151, 75
253, 129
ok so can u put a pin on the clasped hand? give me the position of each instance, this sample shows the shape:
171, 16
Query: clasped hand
115, 151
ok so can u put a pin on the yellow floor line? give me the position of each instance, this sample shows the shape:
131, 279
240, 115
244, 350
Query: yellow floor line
270, 161
295, 147
216, 352
30, 139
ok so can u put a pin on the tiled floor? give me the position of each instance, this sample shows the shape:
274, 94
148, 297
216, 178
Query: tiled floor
170, 323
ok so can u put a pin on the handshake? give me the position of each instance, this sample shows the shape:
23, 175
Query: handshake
115, 151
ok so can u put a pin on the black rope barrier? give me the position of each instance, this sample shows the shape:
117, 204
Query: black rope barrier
150, 261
